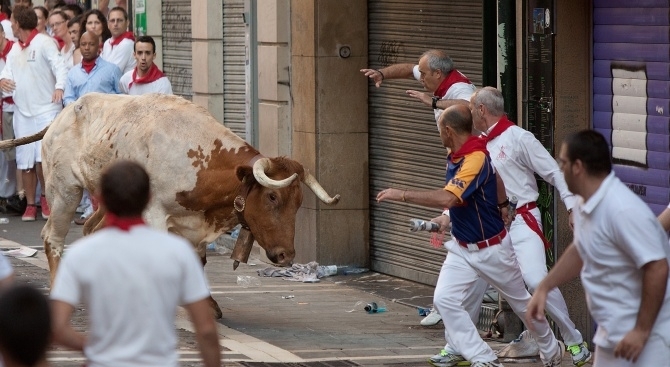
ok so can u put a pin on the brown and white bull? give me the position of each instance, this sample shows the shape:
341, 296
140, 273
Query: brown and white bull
197, 168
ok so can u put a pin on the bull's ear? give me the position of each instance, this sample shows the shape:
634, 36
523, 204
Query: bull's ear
243, 172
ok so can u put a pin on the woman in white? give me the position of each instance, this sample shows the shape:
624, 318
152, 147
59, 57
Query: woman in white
58, 22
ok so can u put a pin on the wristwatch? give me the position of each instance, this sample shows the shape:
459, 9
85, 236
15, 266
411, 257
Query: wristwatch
435, 99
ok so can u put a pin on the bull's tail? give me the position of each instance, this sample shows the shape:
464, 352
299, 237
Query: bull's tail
7, 144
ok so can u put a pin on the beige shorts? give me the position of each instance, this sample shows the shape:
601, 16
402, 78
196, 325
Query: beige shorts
8, 133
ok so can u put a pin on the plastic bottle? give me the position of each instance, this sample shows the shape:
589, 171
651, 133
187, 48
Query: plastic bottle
4, 220
326, 270
375, 307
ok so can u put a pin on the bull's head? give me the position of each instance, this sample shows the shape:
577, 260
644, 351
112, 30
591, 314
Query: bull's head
273, 199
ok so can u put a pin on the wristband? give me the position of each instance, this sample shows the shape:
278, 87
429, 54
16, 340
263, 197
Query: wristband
503, 204
380, 72
569, 211
435, 99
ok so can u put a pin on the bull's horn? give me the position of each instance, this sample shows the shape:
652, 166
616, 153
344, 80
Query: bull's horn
262, 165
6, 144
319, 191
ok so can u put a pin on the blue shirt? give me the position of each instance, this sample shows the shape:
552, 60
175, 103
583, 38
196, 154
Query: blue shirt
473, 181
104, 78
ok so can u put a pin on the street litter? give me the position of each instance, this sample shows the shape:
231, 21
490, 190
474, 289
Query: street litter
369, 307
306, 273
288, 297
21, 252
248, 281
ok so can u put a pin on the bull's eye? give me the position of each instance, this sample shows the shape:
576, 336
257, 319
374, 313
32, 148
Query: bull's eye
273, 197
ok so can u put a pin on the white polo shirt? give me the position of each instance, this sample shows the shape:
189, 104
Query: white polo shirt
518, 155
456, 91
616, 234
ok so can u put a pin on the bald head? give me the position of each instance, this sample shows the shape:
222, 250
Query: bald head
89, 45
459, 118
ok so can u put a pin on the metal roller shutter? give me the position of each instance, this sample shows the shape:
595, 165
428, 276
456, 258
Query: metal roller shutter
233, 67
177, 62
631, 98
405, 148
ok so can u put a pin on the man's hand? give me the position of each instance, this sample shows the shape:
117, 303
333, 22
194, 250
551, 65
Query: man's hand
571, 220
444, 221
375, 75
57, 96
421, 96
7, 85
504, 213
535, 311
630, 347
390, 194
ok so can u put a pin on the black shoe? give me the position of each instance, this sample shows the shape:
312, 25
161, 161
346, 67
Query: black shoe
15, 204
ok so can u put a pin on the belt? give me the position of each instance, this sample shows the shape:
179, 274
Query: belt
495, 240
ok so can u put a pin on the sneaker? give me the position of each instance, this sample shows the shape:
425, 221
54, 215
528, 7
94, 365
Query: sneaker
523, 346
495, 363
45, 207
556, 360
446, 359
30, 214
433, 318
580, 354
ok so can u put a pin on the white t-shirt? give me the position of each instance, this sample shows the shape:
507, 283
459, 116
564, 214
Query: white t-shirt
131, 283
33, 95
518, 155
616, 234
161, 85
121, 54
5, 267
456, 91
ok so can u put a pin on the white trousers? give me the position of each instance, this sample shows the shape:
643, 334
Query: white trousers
531, 256
655, 353
462, 269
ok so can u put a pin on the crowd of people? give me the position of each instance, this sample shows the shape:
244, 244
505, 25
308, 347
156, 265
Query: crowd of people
70, 53
619, 249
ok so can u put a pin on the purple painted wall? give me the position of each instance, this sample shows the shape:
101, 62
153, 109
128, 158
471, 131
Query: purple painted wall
631, 92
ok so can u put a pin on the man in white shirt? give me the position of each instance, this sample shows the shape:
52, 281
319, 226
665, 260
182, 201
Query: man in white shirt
622, 254
37, 100
131, 278
146, 77
119, 48
517, 156
447, 86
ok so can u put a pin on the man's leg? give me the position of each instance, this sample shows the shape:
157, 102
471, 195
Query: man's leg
457, 276
498, 265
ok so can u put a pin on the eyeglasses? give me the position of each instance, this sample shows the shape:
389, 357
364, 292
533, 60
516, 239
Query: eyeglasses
57, 24
116, 21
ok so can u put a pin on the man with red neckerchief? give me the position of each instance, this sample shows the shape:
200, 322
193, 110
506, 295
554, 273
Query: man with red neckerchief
446, 85
37, 100
517, 156
119, 48
146, 77
131, 278
480, 247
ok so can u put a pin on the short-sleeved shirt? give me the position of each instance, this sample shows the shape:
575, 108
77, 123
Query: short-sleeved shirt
473, 180
616, 234
131, 283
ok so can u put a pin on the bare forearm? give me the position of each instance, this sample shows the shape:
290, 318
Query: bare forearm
654, 282
69, 338
500, 185
569, 266
398, 71
440, 199
443, 104
209, 348
664, 219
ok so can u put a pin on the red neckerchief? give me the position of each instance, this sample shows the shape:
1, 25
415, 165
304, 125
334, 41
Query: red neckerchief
454, 77
60, 42
5, 51
122, 223
502, 125
125, 35
473, 144
3, 16
152, 75
88, 65
32, 35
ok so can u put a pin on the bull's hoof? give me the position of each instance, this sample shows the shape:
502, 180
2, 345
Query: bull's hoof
216, 311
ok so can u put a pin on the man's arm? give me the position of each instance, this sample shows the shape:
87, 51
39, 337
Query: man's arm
654, 283
205, 331
395, 71
569, 266
62, 330
69, 94
435, 198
